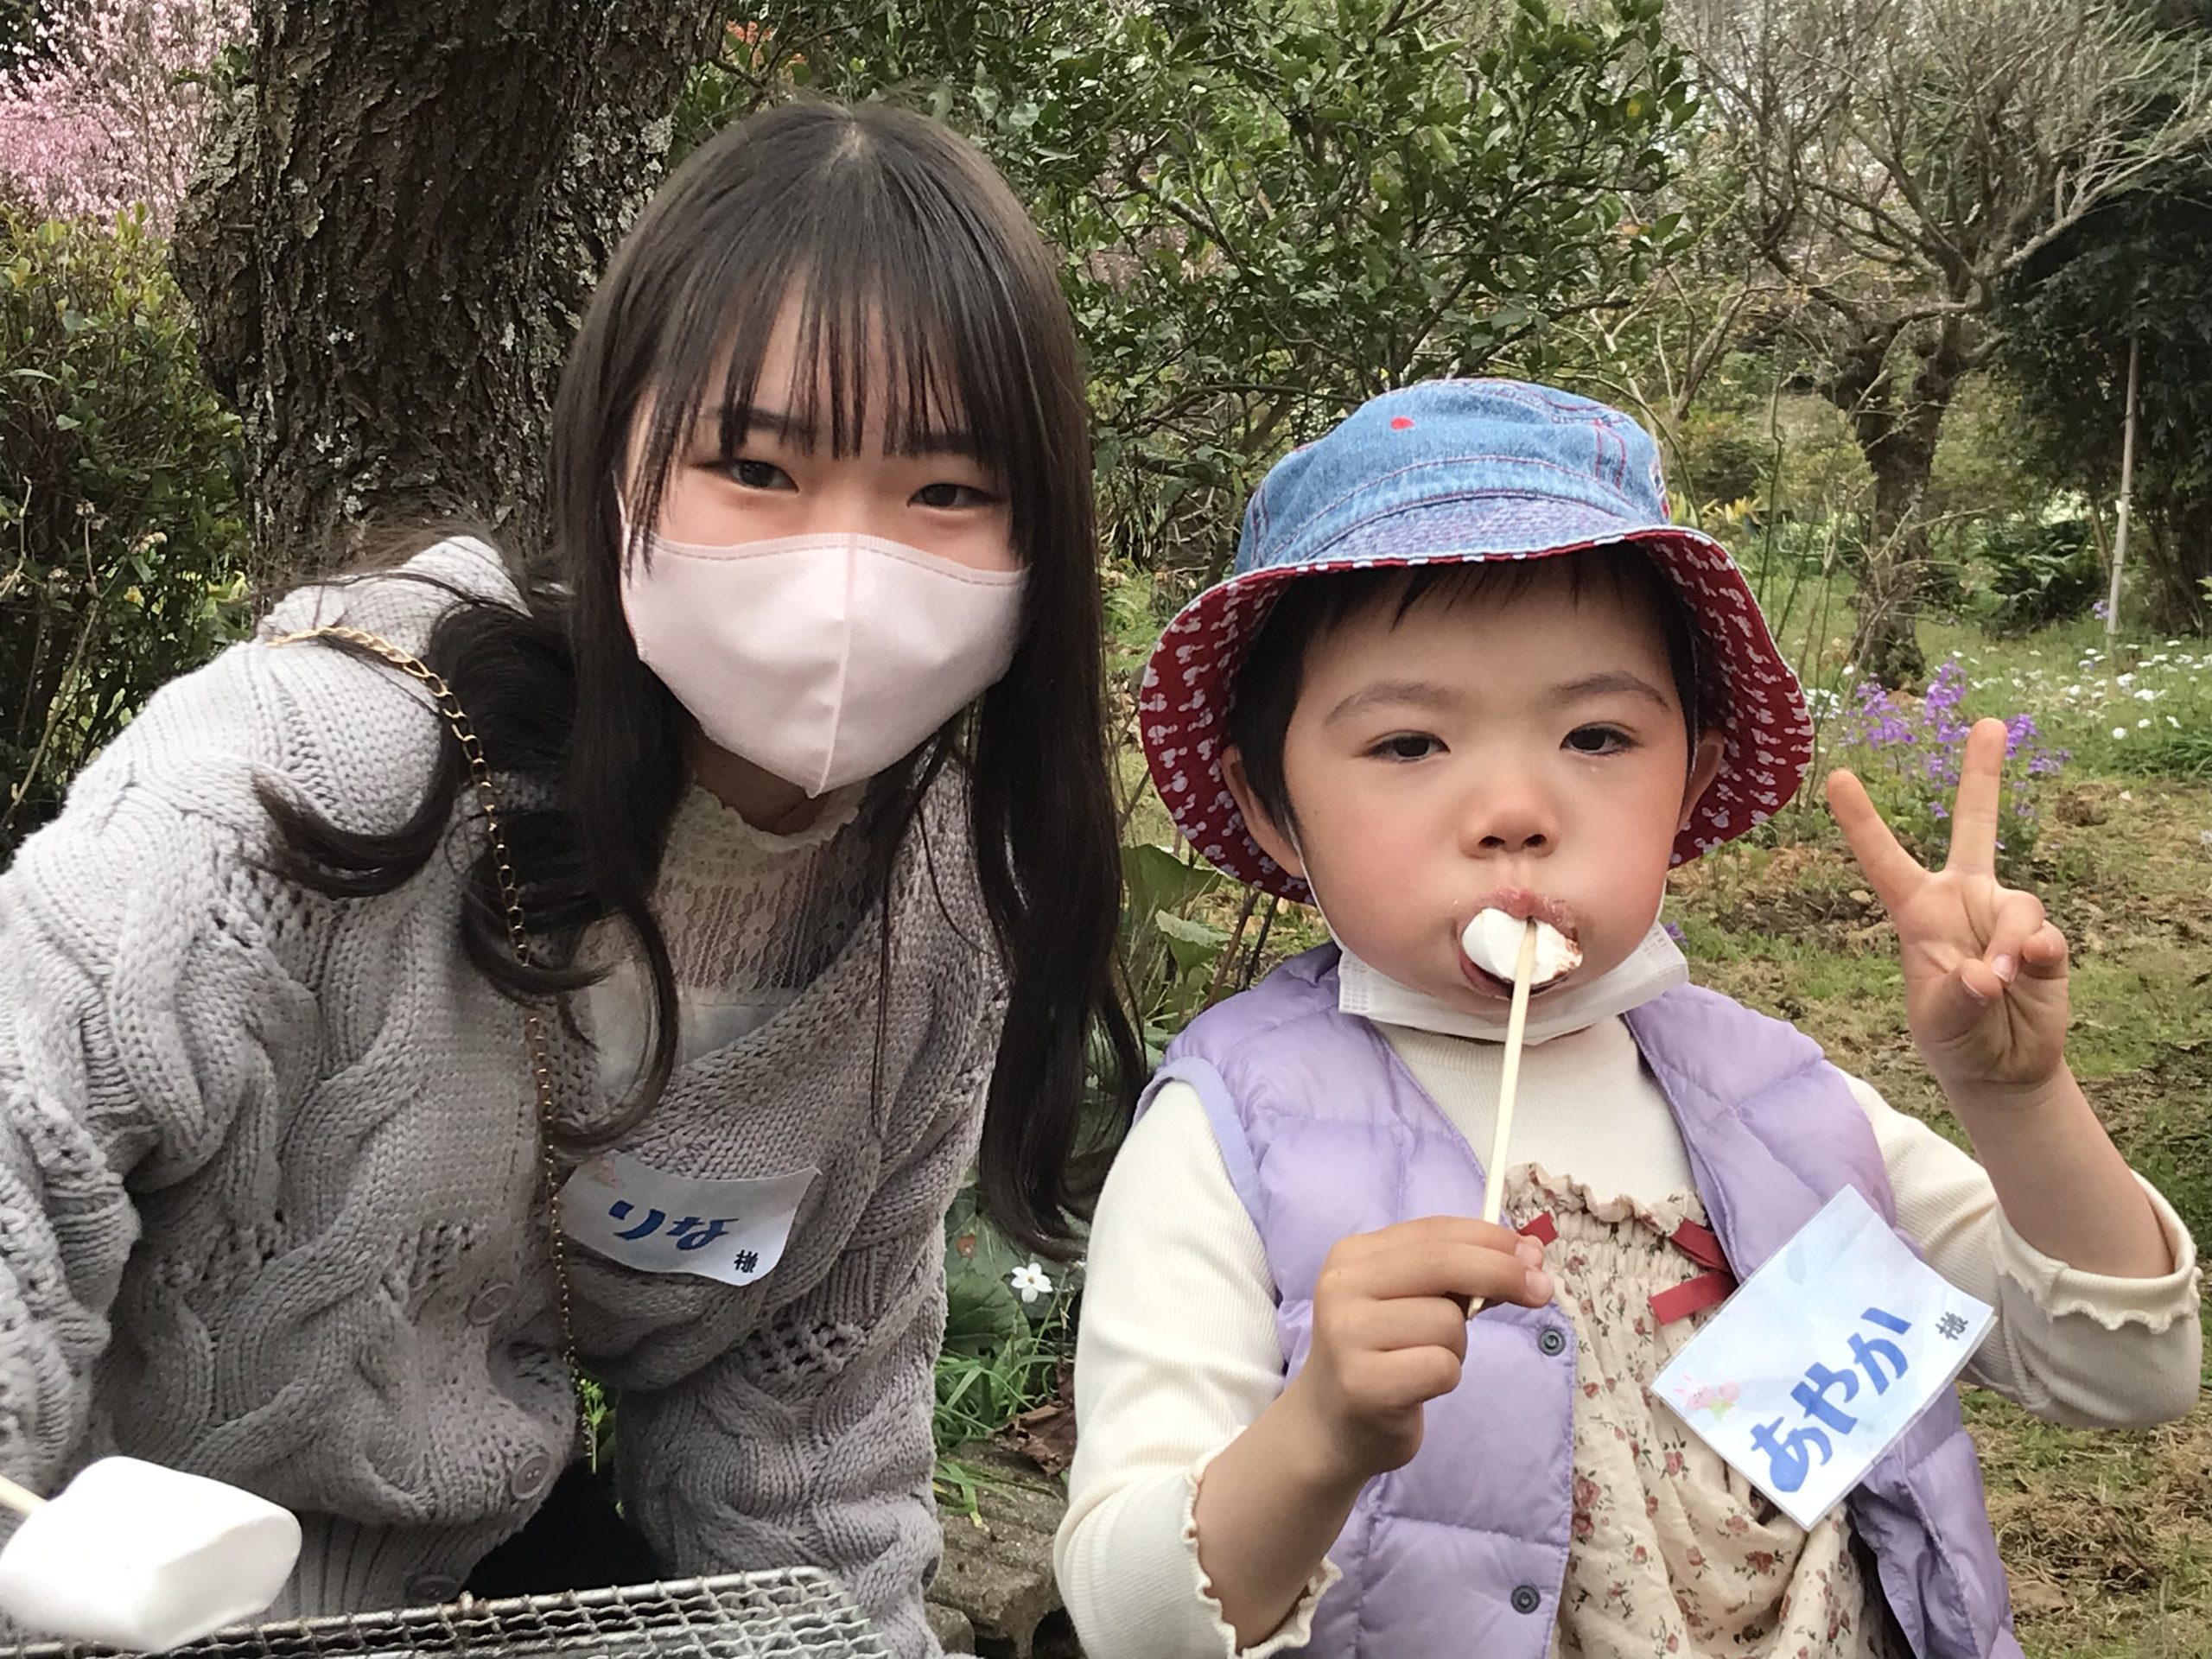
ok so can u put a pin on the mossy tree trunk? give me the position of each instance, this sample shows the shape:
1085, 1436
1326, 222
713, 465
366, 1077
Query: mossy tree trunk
400, 215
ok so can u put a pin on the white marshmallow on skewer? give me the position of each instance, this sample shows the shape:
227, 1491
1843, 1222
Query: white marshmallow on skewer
1492, 942
135, 1556
1523, 971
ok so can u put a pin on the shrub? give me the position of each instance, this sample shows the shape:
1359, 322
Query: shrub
122, 541
2041, 573
1721, 457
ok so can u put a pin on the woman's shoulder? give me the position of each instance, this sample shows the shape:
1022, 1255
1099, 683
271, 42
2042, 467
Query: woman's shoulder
401, 604
353, 738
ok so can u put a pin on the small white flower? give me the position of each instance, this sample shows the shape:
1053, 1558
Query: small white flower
2143, 723
2146, 695
2204, 838
2120, 731
2124, 680
2172, 721
1031, 1281
2073, 690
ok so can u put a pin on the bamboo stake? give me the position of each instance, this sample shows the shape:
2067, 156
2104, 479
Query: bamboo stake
2127, 481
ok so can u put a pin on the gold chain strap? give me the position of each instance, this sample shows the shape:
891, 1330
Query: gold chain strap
533, 1021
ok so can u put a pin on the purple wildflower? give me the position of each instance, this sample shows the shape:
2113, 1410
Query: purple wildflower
1922, 744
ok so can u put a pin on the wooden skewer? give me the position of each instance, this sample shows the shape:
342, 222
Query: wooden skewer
1508, 1080
1509, 1083
21, 1499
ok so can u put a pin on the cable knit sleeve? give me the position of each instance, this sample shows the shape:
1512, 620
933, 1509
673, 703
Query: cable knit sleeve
810, 1443
142, 1007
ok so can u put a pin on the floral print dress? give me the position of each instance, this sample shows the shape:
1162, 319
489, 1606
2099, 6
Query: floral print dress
1675, 1555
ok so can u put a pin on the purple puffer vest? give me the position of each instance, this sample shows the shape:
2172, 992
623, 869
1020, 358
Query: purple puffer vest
1464, 1550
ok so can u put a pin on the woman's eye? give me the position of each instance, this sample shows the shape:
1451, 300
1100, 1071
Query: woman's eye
760, 475
953, 495
1406, 746
1597, 739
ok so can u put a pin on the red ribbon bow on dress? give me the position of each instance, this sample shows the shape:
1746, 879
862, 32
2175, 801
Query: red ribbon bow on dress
1709, 1289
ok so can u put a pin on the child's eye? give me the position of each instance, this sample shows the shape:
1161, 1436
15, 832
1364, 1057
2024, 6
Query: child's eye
760, 475
1599, 740
1406, 746
954, 495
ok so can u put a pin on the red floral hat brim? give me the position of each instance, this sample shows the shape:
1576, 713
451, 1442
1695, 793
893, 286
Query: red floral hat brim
1183, 706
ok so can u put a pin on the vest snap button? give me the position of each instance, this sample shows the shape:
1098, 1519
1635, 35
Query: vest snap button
1551, 1344
1526, 1599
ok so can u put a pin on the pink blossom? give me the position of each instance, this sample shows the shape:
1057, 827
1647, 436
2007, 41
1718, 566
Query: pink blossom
106, 112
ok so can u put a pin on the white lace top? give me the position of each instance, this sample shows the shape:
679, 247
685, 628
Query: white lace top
750, 918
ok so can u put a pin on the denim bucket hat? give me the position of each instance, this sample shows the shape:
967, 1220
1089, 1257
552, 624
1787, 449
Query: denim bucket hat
1450, 472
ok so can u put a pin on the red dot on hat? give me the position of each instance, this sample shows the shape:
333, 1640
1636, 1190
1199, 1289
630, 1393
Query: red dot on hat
1400, 423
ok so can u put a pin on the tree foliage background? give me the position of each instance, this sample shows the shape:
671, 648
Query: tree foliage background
1868, 269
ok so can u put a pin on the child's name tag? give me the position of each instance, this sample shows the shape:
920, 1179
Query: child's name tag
622, 1208
1823, 1357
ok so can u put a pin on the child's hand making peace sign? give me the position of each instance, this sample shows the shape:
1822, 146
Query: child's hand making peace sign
1985, 974
1985, 994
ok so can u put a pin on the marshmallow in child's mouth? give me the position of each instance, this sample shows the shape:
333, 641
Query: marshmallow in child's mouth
1492, 942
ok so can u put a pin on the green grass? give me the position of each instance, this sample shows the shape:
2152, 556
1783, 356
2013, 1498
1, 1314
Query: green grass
2108, 1536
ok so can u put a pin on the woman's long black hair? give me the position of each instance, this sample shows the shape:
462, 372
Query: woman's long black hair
921, 290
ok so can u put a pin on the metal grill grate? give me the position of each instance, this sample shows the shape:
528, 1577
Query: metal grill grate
802, 1613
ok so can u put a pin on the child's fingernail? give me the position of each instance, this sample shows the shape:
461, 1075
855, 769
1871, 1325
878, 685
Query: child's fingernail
1970, 991
1540, 1285
2005, 968
1530, 1251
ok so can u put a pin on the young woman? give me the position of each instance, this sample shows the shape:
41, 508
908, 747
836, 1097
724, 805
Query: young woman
612, 963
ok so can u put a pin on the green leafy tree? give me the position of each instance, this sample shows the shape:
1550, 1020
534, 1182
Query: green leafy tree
1321, 202
2135, 270
1903, 161
1273, 211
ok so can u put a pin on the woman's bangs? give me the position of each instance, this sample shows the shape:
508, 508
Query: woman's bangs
901, 319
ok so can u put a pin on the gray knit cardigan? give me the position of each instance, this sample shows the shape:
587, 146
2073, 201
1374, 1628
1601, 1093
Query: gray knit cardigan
270, 1201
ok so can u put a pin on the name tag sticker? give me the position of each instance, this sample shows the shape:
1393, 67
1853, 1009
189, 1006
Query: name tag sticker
1823, 1357
622, 1208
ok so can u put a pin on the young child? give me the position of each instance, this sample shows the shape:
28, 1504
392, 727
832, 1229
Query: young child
1465, 663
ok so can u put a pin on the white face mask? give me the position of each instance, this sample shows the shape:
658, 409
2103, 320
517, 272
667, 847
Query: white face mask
820, 659
1654, 967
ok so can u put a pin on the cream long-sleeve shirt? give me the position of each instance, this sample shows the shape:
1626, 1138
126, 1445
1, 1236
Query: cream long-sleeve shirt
1177, 1351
